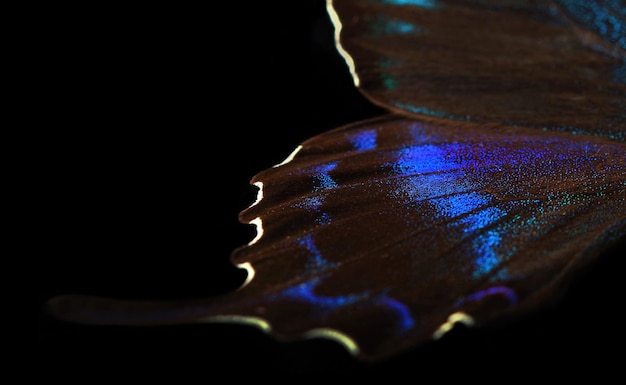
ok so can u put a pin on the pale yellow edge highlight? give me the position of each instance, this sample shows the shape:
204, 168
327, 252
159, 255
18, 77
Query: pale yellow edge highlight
453, 318
290, 157
334, 18
258, 322
265, 326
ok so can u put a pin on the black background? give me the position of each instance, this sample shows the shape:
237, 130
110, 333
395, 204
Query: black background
156, 119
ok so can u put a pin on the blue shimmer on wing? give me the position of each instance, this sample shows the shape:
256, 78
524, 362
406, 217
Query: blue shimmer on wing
322, 181
423, 159
428, 4
363, 140
322, 178
504, 291
388, 79
607, 18
383, 26
487, 257
406, 319
427, 111
412, 190
482, 218
313, 204
389, 82
315, 262
304, 291
456, 205
419, 136
310, 203
323, 219
431, 179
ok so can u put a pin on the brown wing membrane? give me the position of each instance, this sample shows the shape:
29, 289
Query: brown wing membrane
383, 233
522, 62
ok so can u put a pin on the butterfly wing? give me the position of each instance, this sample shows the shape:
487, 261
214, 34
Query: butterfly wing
385, 229
556, 65
383, 233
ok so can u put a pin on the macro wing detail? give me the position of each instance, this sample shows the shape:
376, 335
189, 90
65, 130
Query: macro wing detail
498, 175
558, 65
384, 229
